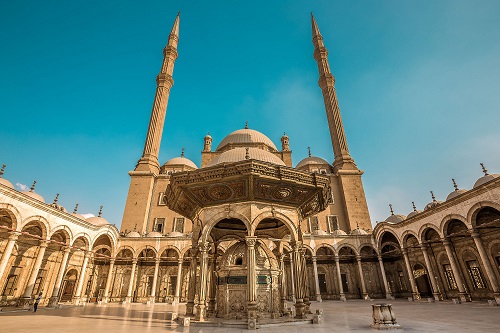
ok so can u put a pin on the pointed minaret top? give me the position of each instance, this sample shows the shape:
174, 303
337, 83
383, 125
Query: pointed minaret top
454, 184
390, 207
175, 27
414, 207
32, 188
76, 208
484, 169
315, 29
2, 170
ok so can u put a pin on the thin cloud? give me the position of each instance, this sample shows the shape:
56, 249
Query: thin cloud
22, 187
87, 215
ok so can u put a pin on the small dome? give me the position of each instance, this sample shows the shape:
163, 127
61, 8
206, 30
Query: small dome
339, 232
154, 234
34, 195
432, 204
485, 179
358, 232
311, 160
98, 221
246, 136
208, 136
454, 194
79, 216
6, 183
133, 234
181, 160
413, 213
395, 218
239, 154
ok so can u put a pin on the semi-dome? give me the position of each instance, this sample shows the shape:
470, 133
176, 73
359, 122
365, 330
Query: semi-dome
433, 203
133, 234
311, 160
98, 221
247, 137
454, 194
414, 212
181, 160
240, 154
484, 179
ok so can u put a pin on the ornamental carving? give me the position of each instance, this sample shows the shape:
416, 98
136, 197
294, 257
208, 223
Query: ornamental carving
220, 192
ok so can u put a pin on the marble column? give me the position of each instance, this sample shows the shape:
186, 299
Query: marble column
339, 277
7, 253
299, 285
292, 277
316, 279
131, 284
34, 271
213, 285
487, 265
362, 278
201, 307
192, 281
456, 272
60, 276
430, 273
384, 278
79, 287
414, 290
252, 278
283, 284
305, 279
155, 280
109, 280
178, 282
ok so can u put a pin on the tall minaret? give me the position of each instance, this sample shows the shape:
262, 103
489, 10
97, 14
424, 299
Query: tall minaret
164, 82
343, 159
350, 206
143, 180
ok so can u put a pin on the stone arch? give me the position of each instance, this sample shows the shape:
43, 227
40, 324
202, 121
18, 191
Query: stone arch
207, 228
180, 254
37, 221
126, 248
407, 234
426, 227
147, 247
277, 216
308, 248
65, 231
13, 213
349, 246
325, 245
385, 235
443, 226
111, 237
476, 208
83, 236
183, 251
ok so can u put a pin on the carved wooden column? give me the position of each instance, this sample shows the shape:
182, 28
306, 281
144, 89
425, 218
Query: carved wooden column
201, 307
299, 285
155, 280
34, 271
361, 278
132, 282
414, 290
105, 297
78, 294
292, 277
456, 273
339, 276
384, 278
252, 277
60, 275
179, 282
316, 279
430, 273
487, 265
7, 253
193, 252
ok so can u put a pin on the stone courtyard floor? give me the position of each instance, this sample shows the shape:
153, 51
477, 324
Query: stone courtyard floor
351, 316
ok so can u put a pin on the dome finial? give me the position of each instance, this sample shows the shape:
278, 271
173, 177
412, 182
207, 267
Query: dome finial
100, 211
309, 151
32, 188
246, 124
76, 208
2, 170
182, 152
454, 184
56, 198
433, 197
414, 207
390, 207
247, 155
484, 169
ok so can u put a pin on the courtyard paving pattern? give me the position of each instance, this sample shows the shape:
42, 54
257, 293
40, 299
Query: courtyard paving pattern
351, 316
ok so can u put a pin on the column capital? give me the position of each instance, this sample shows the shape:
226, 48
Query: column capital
112, 261
179, 261
157, 261
134, 261
424, 246
358, 257
88, 254
66, 249
43, 243
297, 246
475, 233
204, 247
13, 236
446, 241
380, 258
314, 259
337, 258
404, 250
251, 241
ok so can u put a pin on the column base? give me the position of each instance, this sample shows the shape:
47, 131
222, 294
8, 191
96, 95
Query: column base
342, 298
464, 297
318, 298
389, 296
24, 302
252, 310
53, 302
437, 296
189, 308
497, 297
300, 310
415, 296
128, 299
200, 312
366, 297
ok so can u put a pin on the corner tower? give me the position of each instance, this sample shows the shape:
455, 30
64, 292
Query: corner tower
142, 183
346, 184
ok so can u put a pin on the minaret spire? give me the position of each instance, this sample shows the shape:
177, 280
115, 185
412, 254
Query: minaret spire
343, 159
164, 82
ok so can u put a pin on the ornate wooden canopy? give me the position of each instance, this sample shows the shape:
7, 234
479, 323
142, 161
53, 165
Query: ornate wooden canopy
249, 180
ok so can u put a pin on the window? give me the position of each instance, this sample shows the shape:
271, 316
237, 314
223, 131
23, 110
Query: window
475, 274
238, 261
162, 199
450, 278
178, 225
314, 223
159, 224
332, 223
8, 290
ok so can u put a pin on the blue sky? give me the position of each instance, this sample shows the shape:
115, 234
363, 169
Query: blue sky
418, 84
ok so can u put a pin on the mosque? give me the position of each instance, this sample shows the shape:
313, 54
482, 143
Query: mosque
246, 235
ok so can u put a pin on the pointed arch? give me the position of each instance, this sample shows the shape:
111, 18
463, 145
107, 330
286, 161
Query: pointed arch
273, 214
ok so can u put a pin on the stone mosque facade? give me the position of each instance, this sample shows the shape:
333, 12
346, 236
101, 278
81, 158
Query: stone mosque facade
246, 235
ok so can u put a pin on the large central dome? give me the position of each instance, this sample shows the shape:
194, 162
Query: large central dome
246, 138
241, 154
